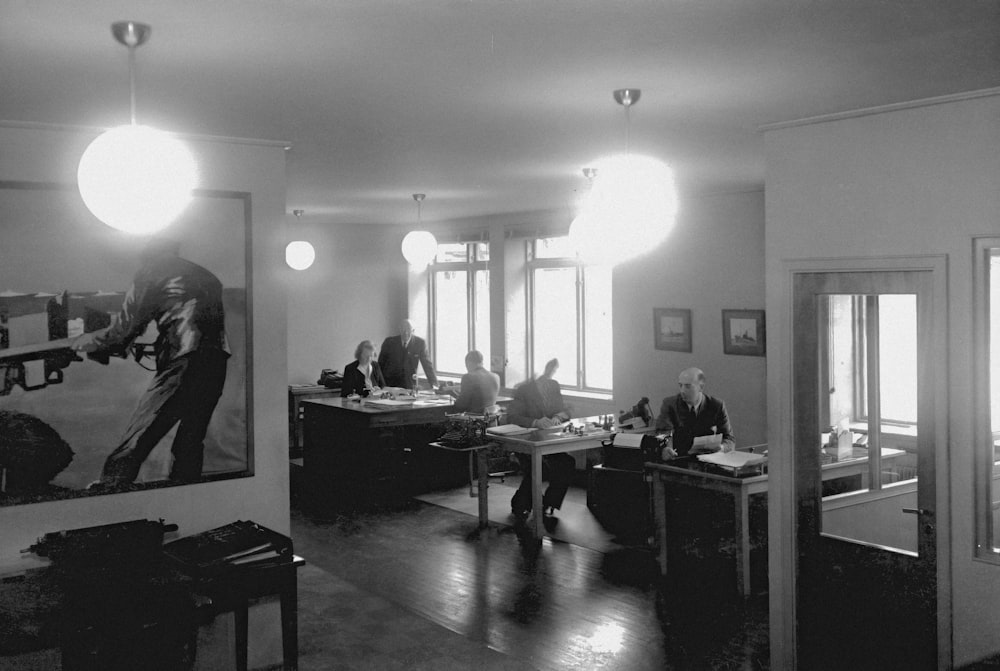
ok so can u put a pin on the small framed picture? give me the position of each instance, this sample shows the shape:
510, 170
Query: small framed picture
743, 332
672, 329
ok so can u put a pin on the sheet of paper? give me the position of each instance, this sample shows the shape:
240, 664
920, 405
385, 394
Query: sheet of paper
732, 459
714, 440
508, 430
628, 439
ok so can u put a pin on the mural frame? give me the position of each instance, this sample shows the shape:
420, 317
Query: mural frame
743, 332
54, 385
678, 321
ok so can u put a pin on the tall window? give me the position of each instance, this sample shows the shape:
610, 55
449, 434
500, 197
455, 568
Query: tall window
570, 315
460, 297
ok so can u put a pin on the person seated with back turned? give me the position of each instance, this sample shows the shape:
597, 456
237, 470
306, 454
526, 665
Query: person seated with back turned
363, 375
693, 413
400, 355
539, 403
479, 387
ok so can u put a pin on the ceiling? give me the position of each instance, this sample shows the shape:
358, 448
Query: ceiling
487, 106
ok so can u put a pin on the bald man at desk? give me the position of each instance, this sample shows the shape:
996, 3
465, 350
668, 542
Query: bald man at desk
692, 414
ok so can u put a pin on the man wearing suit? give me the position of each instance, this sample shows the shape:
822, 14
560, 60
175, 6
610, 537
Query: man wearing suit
400, 355
693, 413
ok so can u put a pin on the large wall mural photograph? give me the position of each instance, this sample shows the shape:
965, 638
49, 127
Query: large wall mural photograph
123, 358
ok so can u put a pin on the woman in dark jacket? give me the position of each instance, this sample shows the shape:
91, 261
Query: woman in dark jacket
363, 375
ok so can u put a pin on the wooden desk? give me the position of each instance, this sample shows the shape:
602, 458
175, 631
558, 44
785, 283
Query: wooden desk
355, 453
296, 394
689, 472
536, 448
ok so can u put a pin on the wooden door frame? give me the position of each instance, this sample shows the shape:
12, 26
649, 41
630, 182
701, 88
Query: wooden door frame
782, 501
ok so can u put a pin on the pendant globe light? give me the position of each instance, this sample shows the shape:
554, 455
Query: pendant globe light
136, 178
299, 254
419, 247
631, 205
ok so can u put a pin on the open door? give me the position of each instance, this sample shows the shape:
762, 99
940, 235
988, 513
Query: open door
864, 355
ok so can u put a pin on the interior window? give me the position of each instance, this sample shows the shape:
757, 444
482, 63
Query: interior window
987, 431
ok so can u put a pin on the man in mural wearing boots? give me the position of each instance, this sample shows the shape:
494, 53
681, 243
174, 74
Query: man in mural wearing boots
191, 350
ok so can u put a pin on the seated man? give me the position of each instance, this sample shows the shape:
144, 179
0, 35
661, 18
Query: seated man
479, 387
538, 403
693, 413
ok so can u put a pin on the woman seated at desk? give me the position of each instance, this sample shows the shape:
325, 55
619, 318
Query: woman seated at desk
363, 375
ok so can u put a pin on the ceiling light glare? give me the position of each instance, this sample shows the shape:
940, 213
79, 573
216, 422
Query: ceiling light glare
136, 178
630, 209
419, 248
299, 255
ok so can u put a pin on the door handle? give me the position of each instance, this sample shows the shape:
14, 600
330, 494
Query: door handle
917, 511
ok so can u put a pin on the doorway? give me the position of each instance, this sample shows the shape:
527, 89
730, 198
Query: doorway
865, 355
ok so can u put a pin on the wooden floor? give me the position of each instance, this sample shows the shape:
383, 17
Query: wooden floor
542, 604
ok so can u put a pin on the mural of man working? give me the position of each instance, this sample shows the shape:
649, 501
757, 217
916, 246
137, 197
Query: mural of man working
191, 351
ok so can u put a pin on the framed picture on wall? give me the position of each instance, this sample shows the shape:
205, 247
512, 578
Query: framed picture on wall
124, 359
672, 329
743, 332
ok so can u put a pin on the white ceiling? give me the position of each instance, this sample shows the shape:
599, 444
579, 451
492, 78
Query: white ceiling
487, 106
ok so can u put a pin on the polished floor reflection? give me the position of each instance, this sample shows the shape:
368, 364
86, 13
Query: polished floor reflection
434, 592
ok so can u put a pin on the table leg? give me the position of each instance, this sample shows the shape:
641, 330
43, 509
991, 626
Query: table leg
290, 619
240, 623
660, 521
742, 541
484, 484
536, 494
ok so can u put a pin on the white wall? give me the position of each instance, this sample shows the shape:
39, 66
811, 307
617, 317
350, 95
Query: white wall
712, 261
909, 181
51, 155
356, 290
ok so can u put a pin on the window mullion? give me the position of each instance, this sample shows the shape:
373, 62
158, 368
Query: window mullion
873, 388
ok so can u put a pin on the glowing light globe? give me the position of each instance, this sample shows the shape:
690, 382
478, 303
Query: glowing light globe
299, 255
136, 178
630, 210
419, 248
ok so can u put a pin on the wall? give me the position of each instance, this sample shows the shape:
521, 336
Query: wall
912, 180
713, 260
355, 290
36, 153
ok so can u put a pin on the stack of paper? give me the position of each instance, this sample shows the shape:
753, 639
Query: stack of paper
732, 459
508, 430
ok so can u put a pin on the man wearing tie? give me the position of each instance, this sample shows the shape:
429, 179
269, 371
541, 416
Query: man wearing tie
693, 413
400, 355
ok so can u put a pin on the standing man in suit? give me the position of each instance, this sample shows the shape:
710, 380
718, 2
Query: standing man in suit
693, 413
400, 355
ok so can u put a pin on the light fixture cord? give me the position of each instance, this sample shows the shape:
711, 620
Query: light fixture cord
131, 79
628, 129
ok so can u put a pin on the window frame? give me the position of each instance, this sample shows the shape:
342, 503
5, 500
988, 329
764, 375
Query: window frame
579, 368
985, 463
470, 266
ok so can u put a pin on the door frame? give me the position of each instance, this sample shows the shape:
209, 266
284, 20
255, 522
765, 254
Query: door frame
782, 502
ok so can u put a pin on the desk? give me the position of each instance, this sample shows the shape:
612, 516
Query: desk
296, 394
689, 472
538, 448
353, 449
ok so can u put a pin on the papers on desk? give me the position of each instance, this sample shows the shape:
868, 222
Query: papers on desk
733, 459
388, 402
508, 430
712, 443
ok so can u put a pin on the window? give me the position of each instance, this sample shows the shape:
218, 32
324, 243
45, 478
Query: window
889, 320
987, 415
569, 308
460, 304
